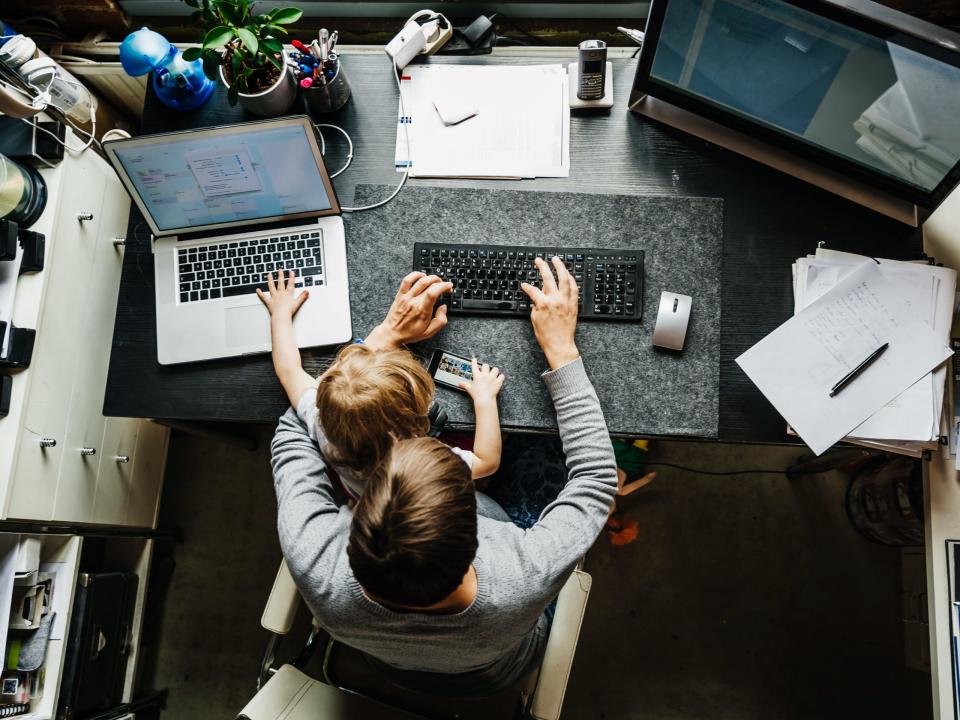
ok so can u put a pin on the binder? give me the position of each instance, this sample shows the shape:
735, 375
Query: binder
98, 646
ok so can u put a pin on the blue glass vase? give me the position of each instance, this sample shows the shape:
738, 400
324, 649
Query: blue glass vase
179, 84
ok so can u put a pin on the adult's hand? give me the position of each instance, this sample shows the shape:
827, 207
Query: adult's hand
410, 318
554, 313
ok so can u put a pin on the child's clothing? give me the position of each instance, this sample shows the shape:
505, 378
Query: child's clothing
307, 412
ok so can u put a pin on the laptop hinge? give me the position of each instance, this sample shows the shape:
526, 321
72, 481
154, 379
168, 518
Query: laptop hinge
258, 227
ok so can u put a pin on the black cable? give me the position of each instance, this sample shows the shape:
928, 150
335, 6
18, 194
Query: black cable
711, 472
636, 52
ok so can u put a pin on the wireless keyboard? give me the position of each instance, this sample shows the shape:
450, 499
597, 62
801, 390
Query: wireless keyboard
486, 278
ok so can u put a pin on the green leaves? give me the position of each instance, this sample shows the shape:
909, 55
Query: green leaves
248, 39
285, 16
271, 44
211, 63
218, 36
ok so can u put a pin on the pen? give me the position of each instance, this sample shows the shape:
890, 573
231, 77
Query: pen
855, 373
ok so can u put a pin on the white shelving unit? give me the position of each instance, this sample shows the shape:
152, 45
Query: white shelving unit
121, 555
71, 304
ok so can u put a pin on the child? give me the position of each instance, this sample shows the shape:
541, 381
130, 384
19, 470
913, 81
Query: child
367, 400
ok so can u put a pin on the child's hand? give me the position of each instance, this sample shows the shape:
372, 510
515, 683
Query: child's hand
282, 301
486, 383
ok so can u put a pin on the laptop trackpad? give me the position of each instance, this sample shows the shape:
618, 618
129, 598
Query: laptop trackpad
248, 325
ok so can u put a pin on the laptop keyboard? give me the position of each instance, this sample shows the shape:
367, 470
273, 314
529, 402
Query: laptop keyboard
227, 269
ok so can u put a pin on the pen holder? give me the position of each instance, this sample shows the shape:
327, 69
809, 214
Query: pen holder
329, 97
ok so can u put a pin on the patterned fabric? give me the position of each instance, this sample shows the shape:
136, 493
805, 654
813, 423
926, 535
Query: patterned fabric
532, 471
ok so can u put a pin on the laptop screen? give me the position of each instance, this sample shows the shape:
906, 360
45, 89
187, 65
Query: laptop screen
227, 176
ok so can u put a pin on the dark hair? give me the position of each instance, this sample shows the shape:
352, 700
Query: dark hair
414, 530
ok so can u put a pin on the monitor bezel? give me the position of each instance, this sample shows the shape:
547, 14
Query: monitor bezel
302, 121
917, 35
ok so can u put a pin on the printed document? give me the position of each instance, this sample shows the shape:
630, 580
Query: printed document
521, 128
798, 363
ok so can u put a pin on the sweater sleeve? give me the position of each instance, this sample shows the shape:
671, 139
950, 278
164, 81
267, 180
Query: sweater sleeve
569, 525
306, 510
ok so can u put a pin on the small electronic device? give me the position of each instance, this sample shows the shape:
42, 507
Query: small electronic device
449, 369
592, 69
673, 317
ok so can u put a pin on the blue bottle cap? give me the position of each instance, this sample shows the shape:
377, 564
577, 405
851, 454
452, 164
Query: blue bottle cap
142, 51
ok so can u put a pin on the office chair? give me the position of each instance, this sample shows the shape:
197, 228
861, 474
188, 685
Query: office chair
352, 688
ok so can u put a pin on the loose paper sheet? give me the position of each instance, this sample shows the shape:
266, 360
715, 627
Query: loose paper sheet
521, 129
797, 364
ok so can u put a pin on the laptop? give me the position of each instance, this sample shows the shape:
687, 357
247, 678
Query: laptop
227, 205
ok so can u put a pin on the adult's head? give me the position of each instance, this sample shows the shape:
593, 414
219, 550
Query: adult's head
368, 399
414, 530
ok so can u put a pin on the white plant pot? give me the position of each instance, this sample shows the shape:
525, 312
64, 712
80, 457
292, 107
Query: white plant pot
274, 101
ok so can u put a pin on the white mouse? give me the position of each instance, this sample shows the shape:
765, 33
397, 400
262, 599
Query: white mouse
672, 320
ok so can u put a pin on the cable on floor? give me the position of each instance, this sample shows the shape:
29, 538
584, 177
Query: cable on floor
713, 472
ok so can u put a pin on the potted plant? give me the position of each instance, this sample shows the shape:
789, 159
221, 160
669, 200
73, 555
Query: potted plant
244, 49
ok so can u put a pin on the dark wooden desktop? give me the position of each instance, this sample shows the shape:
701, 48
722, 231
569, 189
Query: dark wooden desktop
770, 219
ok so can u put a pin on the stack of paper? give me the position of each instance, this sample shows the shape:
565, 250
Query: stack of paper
521, 128
846, 306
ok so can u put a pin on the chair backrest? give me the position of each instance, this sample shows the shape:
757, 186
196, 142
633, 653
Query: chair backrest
291, 695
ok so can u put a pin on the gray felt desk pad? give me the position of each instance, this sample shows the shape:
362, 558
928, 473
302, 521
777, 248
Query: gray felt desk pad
643, 391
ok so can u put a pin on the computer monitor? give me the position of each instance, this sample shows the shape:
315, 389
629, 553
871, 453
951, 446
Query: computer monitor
868, 93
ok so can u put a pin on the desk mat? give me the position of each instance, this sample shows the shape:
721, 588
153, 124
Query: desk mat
643, 391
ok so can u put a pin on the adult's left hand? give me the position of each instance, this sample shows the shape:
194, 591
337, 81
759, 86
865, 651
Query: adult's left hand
411, 316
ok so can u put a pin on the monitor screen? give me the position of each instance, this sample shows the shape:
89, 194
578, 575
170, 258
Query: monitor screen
873, 100
225, 176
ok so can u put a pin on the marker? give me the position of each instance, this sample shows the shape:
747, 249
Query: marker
315, 49
299, 46
306, 82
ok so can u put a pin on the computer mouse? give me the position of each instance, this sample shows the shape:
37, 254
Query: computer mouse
670, 332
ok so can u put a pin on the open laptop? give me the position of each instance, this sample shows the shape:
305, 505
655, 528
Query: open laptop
226, 206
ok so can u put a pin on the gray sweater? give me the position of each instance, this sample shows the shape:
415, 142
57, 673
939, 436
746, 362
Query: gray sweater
500, 636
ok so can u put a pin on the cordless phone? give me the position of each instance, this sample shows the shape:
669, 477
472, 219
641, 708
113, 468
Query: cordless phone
592, 69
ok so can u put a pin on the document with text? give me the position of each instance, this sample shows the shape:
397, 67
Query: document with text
797, 364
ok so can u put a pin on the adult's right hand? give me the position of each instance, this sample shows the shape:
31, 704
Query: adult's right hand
554, 313
410, 317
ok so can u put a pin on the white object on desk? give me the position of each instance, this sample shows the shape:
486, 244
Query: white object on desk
522, 128
796, 365
910, 423
573, 70
673, 316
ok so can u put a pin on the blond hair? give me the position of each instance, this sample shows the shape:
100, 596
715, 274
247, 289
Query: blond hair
367, 400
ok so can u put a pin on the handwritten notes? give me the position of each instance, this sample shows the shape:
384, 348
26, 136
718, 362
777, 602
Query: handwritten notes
796, 365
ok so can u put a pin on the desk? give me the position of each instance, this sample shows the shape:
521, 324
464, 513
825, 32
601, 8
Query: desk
770, 219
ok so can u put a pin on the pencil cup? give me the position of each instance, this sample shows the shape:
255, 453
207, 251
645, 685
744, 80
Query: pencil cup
330, 97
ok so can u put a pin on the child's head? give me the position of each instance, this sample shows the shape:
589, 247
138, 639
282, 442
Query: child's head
366, 400
414, 530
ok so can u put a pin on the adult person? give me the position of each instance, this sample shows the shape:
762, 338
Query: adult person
412, 576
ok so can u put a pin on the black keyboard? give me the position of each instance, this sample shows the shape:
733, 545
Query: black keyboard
486, 278
226, 269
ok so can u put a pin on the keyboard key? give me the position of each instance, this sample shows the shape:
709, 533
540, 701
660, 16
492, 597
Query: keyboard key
490, 305
184, 297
